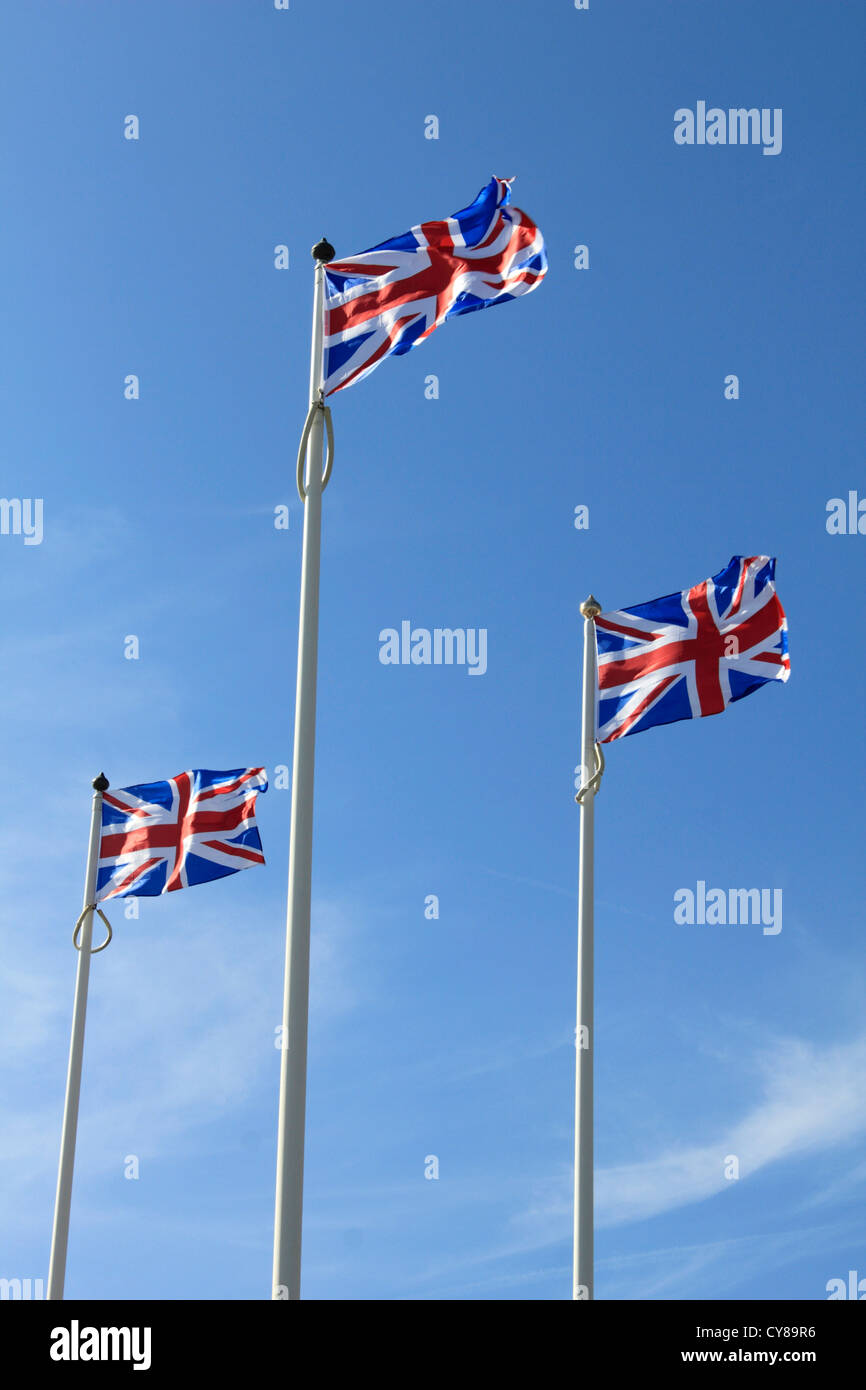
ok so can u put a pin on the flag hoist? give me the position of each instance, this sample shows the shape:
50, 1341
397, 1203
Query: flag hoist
591, 767
84, 925
684, 656
146, 840
383, 302
313, 473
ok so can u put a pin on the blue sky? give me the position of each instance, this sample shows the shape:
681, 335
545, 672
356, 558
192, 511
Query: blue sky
451, 1037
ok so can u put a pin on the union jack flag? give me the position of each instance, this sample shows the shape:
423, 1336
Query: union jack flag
388, 299
159, 836
693, 653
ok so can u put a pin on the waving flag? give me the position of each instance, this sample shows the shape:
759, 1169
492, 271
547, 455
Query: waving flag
388, 299
195, 827
691, 654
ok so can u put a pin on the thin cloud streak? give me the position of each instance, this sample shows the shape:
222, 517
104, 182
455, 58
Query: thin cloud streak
813, 1100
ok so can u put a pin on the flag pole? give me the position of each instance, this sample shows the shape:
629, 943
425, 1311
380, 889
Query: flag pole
288, 1211
584, 1038
63, 1198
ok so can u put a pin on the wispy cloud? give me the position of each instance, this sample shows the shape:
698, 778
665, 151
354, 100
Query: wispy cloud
180, 1032
680, 1270
813, 1099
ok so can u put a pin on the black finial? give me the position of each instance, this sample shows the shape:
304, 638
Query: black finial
101, 783
323, 250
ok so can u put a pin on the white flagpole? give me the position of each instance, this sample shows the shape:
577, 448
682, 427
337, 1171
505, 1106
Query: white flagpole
60, 1232
584, 1035
288, 1212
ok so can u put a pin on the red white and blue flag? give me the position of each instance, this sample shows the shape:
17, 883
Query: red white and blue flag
388, 299
195, 827
691, 654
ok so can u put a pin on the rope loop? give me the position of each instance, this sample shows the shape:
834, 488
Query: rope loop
92, 907
593, 782
305, 439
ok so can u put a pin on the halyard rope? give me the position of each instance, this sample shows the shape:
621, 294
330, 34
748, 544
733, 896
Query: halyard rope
302, 448
92, 907
593, 783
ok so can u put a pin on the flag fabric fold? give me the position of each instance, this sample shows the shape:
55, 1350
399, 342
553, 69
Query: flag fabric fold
691, 654
387, 300
195, 827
